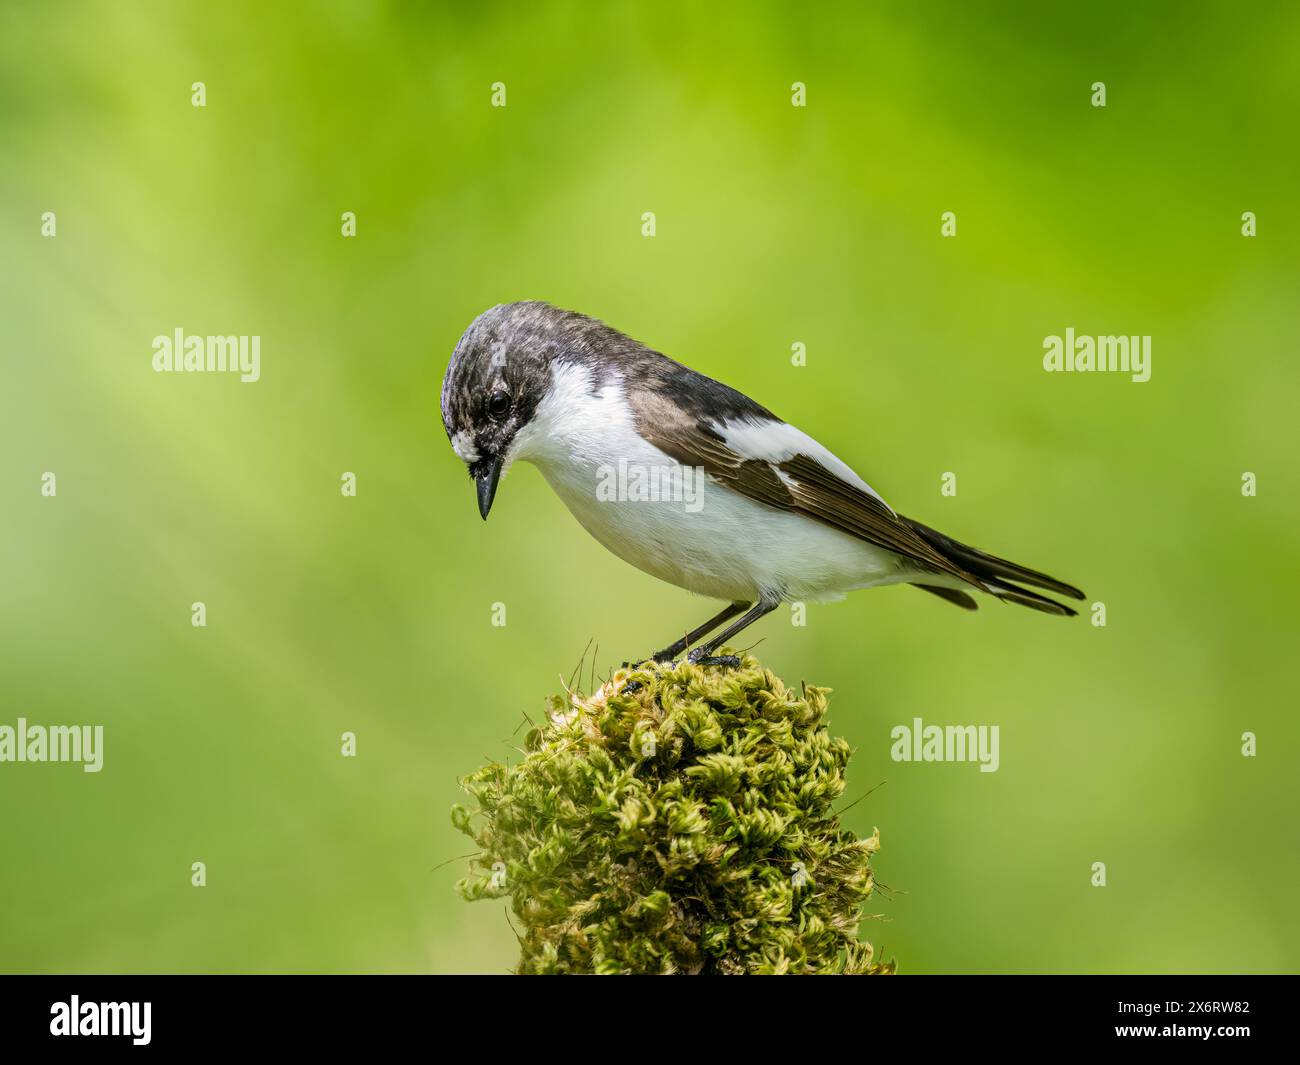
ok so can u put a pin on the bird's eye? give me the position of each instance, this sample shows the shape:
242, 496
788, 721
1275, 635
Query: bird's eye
499, 404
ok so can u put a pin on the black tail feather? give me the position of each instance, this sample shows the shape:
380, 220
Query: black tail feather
953, 596
997, 574
1009, 593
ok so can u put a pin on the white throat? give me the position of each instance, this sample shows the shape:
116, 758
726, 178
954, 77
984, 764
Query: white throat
575, 429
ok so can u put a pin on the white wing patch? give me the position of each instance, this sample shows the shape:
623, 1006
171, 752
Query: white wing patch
779, 441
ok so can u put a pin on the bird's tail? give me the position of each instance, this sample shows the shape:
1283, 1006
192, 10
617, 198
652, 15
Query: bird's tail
1000, 577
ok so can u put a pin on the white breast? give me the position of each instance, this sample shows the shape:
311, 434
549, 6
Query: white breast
698, 534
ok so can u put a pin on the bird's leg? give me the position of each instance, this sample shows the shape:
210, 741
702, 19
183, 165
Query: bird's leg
703, 655
674, 649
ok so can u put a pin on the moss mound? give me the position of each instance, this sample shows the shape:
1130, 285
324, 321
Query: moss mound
677, 821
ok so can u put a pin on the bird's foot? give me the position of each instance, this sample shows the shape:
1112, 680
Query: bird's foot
701, 657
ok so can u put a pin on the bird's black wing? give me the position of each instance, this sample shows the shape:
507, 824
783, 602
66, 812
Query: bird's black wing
800, 482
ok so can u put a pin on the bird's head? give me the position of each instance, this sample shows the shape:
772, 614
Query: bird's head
499, 373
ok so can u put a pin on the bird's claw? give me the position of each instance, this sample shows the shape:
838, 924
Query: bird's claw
699, 657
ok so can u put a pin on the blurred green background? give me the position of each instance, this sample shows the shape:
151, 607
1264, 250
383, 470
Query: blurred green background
776, 225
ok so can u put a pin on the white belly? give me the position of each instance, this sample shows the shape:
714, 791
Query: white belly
731, 547
701, 536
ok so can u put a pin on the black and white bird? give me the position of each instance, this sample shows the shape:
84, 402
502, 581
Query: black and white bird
747, 508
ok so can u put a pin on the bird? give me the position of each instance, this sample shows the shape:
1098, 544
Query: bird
691, 481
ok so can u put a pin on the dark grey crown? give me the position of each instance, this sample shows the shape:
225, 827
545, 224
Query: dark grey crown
512, 347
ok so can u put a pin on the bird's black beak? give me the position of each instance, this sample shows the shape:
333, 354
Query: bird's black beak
486, 475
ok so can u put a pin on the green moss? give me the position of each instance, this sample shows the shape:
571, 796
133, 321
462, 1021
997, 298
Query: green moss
681, 826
